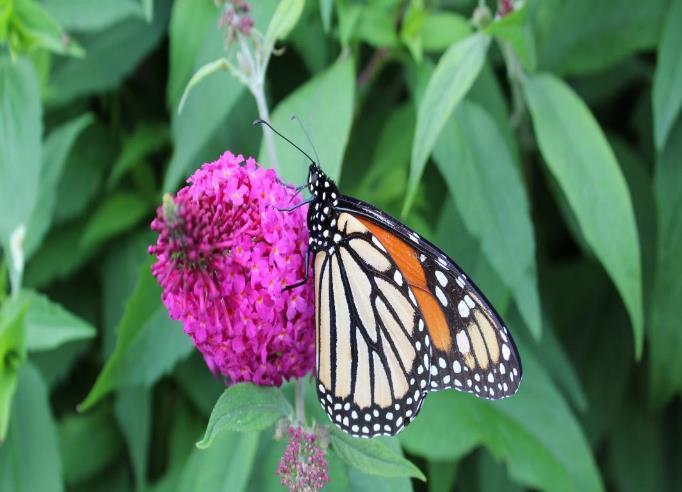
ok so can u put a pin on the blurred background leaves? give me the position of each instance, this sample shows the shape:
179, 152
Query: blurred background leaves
541, 149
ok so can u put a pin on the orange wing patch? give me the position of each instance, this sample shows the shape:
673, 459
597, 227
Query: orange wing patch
406, 258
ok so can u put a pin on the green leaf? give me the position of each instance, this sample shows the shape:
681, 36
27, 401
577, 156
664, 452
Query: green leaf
641, 467
113, 54
119, 274
453, 76
326, 11
35, 28
118, 213
667, 92
245, 407
442, 475
202, 391
283, 21
211, 469
442, 29
57, 147
48, 325
583, 36
87, 16
534, 432
203, 72
29, 459
372, 456
202, 115
20, 147
146, 139
581, 160
92, 156
487, 188
12, 354
329, 130
515, 29
89, 443
145, 328
133, 413
189, 26
665, 336
62, 254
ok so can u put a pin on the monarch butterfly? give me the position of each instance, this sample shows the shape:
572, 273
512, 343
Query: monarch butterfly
395, 317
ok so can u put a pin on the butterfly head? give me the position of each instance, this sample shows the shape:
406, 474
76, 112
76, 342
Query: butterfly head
322, 213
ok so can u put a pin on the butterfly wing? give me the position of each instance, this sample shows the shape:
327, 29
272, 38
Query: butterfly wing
373, 350
472, 350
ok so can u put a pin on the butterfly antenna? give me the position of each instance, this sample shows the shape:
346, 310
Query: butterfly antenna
263, 122
307, 136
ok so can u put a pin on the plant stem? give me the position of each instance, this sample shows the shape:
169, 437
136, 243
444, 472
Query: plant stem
264, 114
300, 408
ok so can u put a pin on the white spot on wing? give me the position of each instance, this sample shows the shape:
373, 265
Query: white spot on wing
441, 297
463, 309
463, 342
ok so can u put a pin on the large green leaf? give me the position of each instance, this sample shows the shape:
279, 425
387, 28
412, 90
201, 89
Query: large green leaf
12, 354
667, 93
117, 213
91, 157
57, 147
329, 130
208, 105
245, 408
225, 466
29, 459
534, 432
581, 160
664, 331
49, 325
144, 329
89, 443
112, 55
133, 413
451, 80
283, 21
583, 36
85, 15
20, 149
372, 456
487, 188
146, 139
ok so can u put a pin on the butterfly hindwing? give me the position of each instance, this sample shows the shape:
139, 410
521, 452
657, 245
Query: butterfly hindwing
373, 350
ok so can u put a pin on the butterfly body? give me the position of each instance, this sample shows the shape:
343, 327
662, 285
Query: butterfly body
395, 318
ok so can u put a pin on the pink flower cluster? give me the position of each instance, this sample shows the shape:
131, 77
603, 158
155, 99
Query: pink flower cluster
303, 466
224, 253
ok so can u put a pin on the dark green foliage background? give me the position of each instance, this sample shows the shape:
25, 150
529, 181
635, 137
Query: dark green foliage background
579, 251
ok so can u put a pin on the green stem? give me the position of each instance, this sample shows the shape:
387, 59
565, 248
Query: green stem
299, 402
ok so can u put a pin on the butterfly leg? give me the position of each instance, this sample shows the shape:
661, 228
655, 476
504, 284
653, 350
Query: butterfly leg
305, 279
298, 205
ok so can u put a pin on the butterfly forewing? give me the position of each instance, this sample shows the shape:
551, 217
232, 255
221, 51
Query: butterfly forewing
479, 356
373, 349
472, 349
